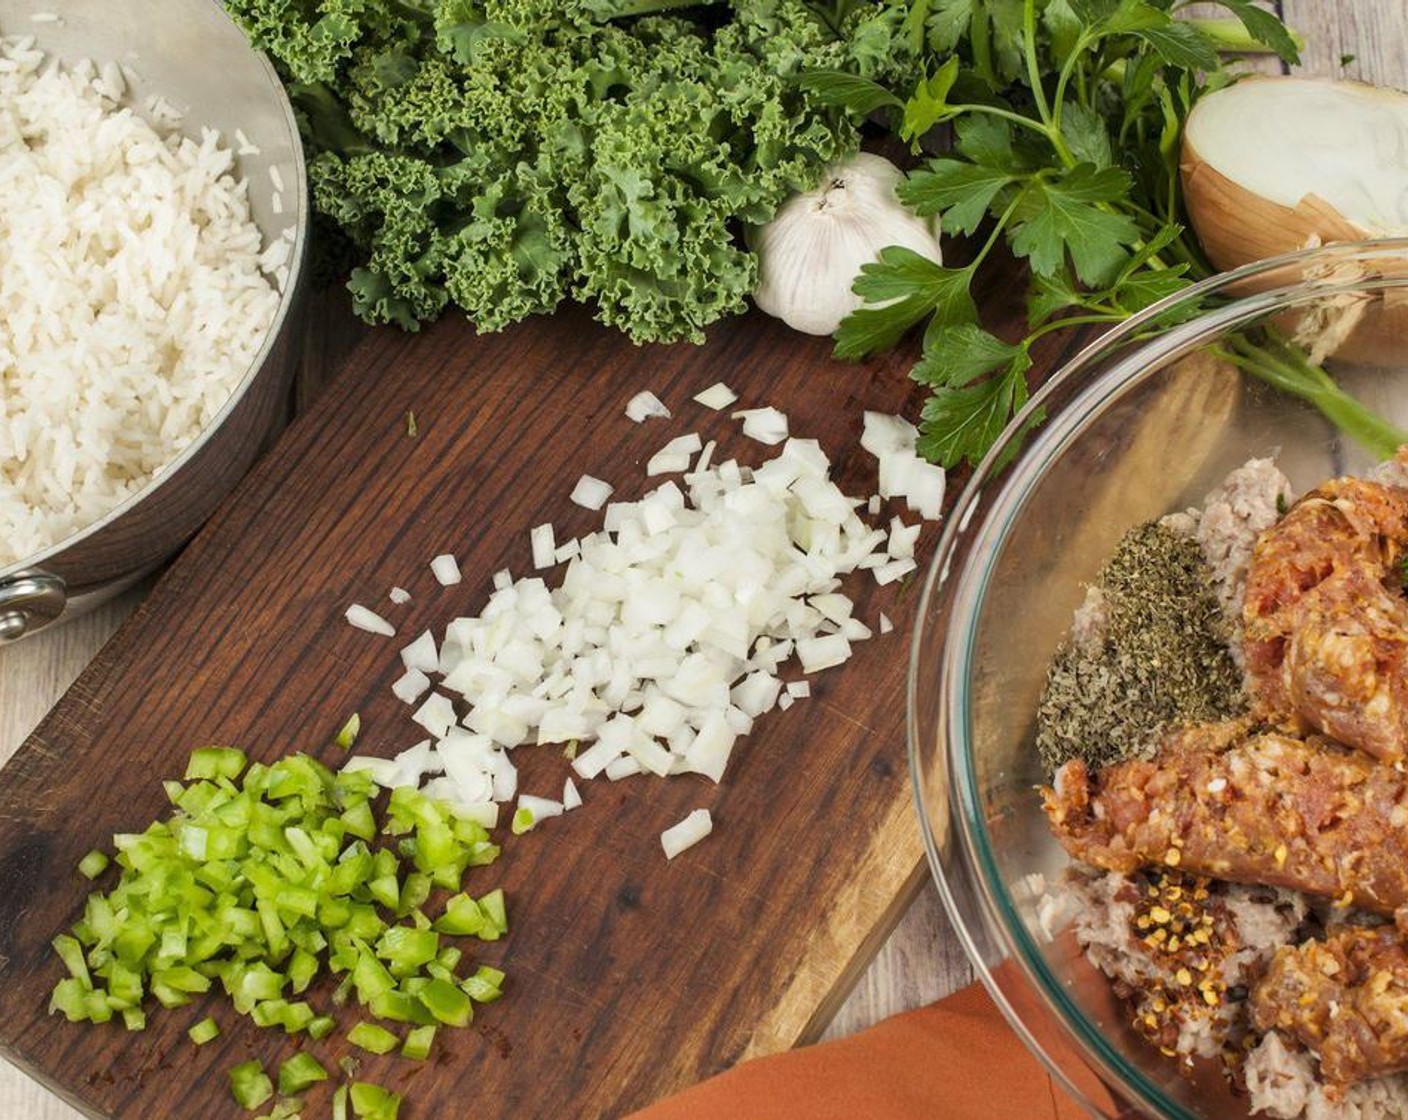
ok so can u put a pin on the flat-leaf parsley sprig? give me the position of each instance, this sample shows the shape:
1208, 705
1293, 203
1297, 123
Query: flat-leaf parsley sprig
1066, 118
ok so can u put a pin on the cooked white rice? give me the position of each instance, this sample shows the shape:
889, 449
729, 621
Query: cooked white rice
132, 299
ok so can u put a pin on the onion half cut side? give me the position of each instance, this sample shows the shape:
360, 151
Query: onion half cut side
1275, 164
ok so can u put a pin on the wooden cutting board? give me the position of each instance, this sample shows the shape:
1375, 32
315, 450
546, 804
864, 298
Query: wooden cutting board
629, 976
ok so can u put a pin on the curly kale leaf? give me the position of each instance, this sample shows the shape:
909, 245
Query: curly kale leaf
508, 154
386, 204
513, 255
312, 40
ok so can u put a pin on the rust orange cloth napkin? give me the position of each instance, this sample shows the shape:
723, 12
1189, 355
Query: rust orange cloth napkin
956, 1059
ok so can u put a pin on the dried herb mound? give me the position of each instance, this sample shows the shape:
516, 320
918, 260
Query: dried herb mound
1158, 658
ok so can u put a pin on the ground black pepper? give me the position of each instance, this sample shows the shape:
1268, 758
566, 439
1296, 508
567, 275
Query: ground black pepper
1160, 658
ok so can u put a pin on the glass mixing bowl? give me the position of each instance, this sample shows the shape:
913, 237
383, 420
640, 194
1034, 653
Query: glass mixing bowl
1142, 423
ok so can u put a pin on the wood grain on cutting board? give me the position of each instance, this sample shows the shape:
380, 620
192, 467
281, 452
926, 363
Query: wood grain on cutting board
629, 976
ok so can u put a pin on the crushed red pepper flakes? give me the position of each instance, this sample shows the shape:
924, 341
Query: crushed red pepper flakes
1176, 920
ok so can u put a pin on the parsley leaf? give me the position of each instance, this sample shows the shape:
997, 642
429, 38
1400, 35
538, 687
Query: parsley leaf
1064, 27
1091, 12
848, 91
1087, 135
948, 23
1266, 29
1180, 44
1145, 288
1065, 149
961, 354
1064, 216
929, 103
1050, 294
988, 140
960, 191
959, 424
918, 288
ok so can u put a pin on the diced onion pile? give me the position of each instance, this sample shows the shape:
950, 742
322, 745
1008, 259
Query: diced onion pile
668, 633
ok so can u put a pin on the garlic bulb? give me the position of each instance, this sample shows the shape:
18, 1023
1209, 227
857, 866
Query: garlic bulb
811, 252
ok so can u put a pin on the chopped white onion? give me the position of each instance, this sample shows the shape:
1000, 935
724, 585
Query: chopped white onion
399, 596
705, 458
544, 546
687, 833
903, 474
592, 761
872, 507
902, 539
885, 624
540, 807
417, 762
446, 569
591, 493
623, 767
567, 551
895, 569
661, 463
422, 654
674, 457
665, 636
766, 425
436, 715
881, 433
368, 620
411, 686
484, 813
717, 396
708, 754
854, 630
382, 771
823, 652
645, 405
925, 494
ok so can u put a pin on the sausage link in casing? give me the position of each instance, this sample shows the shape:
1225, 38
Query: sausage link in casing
1269, 808
1325, 617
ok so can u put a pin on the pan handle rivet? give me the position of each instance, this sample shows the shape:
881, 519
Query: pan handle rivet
29, 601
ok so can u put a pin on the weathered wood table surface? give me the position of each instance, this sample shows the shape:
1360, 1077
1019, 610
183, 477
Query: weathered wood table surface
921, 961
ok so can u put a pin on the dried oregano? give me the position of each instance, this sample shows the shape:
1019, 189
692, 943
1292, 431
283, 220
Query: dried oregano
1157, 656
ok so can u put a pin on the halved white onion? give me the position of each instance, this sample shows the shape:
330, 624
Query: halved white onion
1274, 164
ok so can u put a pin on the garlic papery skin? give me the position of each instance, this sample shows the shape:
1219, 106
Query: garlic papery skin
811, 252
